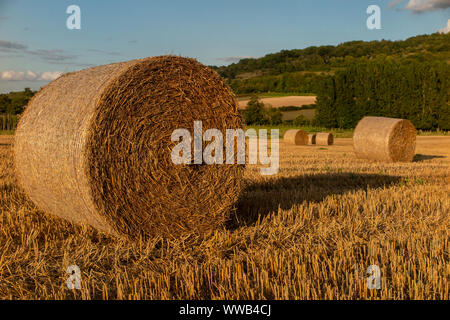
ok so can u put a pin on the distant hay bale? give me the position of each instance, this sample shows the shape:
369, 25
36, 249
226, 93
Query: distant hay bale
94, 147
324, 139
297, 137
312, 138
385, 139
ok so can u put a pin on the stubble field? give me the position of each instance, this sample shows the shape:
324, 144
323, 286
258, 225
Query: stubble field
309, 232
277, 102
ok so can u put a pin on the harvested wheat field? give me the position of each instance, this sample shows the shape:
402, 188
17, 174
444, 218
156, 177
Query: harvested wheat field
277, 102
309, 232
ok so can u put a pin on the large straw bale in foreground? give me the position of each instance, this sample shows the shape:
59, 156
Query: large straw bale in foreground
385, 139
95, 147
324, 139
297, 137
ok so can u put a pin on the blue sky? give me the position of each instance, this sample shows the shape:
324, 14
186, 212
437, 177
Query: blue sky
35, 43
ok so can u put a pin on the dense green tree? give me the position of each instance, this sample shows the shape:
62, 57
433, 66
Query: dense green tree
15, 102
254, 112
329, 58
258, 113
5, 103
326, 100
413, 90
273, 116
301, 120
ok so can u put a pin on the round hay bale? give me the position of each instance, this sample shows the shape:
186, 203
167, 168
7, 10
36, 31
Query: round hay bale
312, 138
297, 137
94, 147
384, 139
324, 139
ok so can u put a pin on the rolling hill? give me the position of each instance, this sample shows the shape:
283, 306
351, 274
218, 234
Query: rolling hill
301, 70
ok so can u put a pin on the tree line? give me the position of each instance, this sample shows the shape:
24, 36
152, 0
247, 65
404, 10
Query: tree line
330, 58
11, 106
296, 82
418, 91
14, 103
405, 79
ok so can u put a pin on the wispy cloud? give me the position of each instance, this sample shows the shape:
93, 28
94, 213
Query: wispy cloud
394, 3
446, 29
12, 45
52, 56
420, 6
55, 55
11, 75
233, 59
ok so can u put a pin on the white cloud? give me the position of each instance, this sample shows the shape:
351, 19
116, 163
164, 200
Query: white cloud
446, 29
54, 56
11, 75
30, 75
419, 6
49, 76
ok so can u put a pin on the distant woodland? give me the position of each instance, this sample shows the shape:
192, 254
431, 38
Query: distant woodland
404, 79
14, 103
11, 106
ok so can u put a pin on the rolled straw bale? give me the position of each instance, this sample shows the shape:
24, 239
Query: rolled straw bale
384, 139
324, 139
297, 137
94, 147
312, 138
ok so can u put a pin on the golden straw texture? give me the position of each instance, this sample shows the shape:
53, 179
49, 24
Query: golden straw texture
385, 139
94, 147
297, 137
312, 138
324, 139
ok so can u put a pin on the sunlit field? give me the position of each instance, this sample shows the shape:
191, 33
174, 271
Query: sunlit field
309, 232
